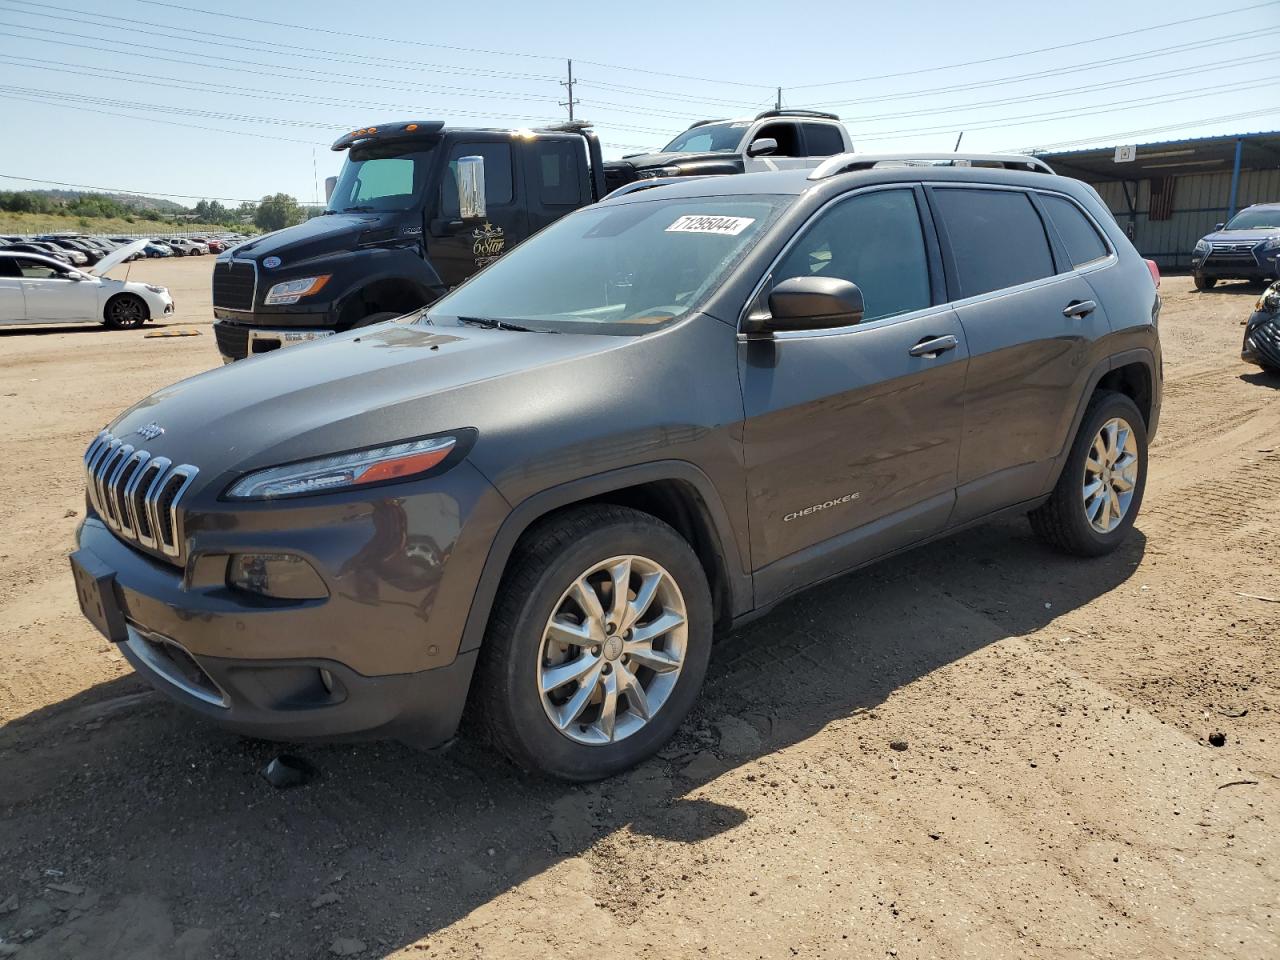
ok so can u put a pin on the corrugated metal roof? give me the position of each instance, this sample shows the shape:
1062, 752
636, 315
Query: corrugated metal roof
1260, 151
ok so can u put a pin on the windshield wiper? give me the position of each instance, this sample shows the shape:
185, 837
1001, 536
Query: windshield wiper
491, 324
360, 209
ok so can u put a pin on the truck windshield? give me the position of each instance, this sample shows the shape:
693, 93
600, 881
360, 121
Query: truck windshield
623, 269
378, 178
709, 138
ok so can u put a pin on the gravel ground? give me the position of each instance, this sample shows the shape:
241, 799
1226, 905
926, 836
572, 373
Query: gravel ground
1058, 794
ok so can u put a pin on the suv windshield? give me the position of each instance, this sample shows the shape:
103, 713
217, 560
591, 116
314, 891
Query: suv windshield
377, 178
709, 138
1267, 217
622, 269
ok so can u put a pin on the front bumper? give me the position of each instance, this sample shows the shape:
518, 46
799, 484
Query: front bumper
1261, 344
236, 341
211, 651
1251, 265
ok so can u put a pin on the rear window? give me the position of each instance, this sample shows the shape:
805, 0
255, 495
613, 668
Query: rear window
822, 140
997, 238
1078, 235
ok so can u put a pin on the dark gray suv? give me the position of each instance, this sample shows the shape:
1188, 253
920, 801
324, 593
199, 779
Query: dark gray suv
539, 499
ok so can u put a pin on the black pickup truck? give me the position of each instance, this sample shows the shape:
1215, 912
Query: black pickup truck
414, 213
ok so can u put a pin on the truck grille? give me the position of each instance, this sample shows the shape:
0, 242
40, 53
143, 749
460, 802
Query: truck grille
233, 340
234, 284
136, 494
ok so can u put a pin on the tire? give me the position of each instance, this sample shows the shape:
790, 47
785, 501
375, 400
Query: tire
1204, 283
1070, 520
125, 311
513, 695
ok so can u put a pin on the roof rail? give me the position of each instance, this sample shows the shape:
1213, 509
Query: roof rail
701, 123
849, 162
820, 114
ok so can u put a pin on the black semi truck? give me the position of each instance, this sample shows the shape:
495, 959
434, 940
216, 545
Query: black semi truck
419, 207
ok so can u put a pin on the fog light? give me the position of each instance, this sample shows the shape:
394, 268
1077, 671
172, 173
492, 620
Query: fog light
280, 575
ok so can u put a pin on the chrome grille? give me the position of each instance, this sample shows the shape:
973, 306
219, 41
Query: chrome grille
235, 283
1232, 251
136, 494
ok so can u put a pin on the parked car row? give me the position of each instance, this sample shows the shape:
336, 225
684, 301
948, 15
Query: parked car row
80, 250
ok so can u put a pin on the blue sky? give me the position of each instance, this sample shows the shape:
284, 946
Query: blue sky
84, 83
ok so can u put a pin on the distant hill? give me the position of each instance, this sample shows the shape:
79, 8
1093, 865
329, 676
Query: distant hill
148, 204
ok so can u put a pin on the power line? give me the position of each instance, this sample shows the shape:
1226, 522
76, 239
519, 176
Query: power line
1027, 53
1059, 71
260, 93
293, 50
1184, 125
138, 193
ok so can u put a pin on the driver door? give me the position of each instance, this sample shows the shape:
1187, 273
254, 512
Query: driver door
51, 294
457, 249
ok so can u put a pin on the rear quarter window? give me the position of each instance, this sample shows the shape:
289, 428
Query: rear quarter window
997, 239
1078, 235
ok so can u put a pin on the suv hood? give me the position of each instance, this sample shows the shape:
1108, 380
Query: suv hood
379, 384
1242, 236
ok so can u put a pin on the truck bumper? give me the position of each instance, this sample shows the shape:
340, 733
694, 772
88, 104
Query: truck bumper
236, 341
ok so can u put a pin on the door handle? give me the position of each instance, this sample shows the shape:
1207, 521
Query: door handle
931, 347
1079, 308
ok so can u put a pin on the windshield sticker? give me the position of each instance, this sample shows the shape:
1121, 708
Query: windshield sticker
726, 226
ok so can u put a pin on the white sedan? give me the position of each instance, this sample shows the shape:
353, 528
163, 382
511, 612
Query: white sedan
36, 289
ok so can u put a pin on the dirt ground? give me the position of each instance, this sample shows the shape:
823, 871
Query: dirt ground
1058, 797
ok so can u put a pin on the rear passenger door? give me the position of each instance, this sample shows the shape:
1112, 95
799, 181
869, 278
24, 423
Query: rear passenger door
12, 307
556, 177
1030, 321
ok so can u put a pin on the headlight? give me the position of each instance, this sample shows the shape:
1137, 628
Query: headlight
1202, 246
1269, 301
1270, 244
155, 289
291, 291
398, 461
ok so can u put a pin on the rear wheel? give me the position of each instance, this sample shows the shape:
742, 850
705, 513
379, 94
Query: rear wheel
1204, 283
125, 311
597, 645
1097, 497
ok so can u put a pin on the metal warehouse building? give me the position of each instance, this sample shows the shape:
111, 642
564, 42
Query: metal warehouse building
1169, 195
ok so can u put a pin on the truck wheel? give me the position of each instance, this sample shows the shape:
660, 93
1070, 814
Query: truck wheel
597, 644
1204, 283
125, 311
1095, 502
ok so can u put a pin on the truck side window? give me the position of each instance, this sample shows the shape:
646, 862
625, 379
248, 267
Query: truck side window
787, 135
559, 172
497, 175
874, 240
822, 140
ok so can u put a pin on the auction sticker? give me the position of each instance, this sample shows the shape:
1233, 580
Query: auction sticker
695, 223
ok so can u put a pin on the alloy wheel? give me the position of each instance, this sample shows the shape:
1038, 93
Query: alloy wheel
1110, 475
612, 650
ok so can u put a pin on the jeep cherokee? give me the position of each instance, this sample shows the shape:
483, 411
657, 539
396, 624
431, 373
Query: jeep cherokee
539, 498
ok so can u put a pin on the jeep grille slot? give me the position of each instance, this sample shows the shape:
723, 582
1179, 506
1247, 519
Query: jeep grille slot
137, 495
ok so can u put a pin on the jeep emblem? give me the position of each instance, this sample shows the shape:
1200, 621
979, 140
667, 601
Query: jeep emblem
149, 431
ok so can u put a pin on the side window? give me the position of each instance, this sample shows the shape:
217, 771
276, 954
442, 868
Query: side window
38, 271
497, 175
997, 238
1079, 236
787, 135
822, 140
559, 171
874, 240
9, 267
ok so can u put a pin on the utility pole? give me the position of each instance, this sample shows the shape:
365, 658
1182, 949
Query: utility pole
569, 84
778, 104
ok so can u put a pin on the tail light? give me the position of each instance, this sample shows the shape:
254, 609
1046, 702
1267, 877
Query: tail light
1155, 271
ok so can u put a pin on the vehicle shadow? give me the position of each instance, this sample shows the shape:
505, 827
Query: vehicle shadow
1262, 378
129, 796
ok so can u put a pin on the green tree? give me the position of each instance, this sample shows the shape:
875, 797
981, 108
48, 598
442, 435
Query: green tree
277, 212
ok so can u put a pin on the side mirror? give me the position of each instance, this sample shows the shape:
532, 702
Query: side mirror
329, 184
470, 175
762, 147
72, 275
1218, 226
812, 303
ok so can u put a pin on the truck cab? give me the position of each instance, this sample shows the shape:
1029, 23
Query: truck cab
394, 236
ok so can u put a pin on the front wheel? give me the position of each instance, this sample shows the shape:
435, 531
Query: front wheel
597, 645
1095, 502
1204, 283
125, 311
